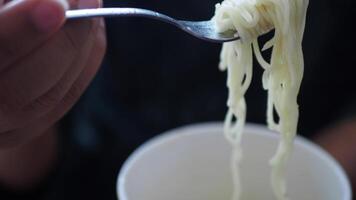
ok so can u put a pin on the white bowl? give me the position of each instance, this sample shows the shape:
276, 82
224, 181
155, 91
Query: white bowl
192, 163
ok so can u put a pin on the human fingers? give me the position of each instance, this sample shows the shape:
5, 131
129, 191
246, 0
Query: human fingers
40, 125
31, 90
26, 25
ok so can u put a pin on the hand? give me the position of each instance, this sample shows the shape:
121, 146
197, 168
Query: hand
339, 140
46, 64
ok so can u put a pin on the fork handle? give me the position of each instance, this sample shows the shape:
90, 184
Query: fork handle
117, 12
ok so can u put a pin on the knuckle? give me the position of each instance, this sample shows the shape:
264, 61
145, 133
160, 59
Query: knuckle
43, 103
48, 101
75, 92
78, 33
10, 105
71, 40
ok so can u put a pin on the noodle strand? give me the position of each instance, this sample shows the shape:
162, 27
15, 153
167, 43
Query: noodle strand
282, 76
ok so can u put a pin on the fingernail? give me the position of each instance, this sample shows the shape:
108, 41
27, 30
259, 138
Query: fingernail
49, 14
83, 4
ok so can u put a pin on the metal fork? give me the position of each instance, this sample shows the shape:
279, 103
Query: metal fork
204, 30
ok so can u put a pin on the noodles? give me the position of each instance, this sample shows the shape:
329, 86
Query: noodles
282, 76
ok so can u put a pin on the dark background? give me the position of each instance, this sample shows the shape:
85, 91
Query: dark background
155, 78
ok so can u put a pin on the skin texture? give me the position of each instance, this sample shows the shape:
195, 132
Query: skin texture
46, 65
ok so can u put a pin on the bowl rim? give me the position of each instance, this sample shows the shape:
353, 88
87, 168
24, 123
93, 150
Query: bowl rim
202, 128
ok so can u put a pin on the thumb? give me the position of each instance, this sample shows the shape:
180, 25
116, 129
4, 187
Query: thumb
26, 24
